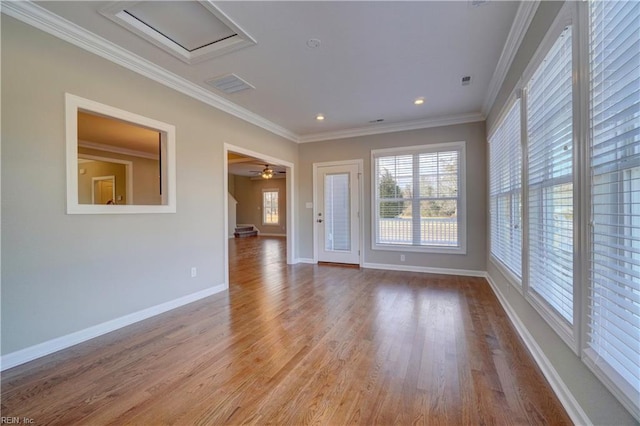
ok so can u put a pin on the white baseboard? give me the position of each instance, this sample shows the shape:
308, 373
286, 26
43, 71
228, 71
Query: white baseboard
574, 410
425, 269
305, 260
54, 345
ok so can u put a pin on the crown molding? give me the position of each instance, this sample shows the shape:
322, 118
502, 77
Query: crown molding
40, 18
44, 20
521, 22
394, 127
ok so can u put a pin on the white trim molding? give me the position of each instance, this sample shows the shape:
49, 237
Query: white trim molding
54, 345
524, 16
425, 269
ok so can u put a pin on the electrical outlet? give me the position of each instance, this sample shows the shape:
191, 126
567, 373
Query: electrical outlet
194, 272
402, 258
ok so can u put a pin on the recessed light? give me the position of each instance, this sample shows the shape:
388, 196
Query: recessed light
313, 43
419, 101
320, 117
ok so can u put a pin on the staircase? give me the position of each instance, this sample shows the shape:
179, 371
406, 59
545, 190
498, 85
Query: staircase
245, 231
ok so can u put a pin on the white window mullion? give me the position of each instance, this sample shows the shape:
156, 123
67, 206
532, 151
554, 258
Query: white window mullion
415, 237
524, 136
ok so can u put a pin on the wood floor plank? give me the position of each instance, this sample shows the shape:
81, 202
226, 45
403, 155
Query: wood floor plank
302, 344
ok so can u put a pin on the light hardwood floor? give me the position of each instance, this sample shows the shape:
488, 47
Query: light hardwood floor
296, 345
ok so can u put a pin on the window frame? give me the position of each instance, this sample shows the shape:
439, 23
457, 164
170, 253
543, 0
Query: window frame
568, 332
505, 269
459, 146
264, 206
626, 394
576, 14
74, 104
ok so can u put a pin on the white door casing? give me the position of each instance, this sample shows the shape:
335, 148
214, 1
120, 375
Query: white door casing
337, 212
103, 189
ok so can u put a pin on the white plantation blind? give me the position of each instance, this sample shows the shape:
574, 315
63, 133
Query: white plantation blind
337, 212
614, 294
505, 189
550, 178
418, 195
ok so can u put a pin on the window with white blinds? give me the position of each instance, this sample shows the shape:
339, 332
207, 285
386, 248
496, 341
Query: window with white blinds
505, 189
550, 178
613, 342
418, 198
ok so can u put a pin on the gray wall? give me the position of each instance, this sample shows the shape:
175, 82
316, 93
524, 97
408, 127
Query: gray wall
597, 402
64, 273
360, 148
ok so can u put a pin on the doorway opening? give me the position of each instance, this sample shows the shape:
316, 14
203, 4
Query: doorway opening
259, 202
103, 190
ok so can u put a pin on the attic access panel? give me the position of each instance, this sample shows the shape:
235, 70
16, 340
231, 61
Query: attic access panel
192, 31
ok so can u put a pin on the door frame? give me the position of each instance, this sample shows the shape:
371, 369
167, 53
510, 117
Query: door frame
360, 164
290, 180
97, 179
128, 171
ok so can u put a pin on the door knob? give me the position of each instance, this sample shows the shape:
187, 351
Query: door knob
319, 220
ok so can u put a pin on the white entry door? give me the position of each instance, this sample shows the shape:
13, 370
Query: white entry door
337, 213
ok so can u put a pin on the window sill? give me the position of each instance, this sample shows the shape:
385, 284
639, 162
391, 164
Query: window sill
419, 249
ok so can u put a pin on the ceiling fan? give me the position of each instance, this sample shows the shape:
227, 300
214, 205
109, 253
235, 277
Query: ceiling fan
267, 172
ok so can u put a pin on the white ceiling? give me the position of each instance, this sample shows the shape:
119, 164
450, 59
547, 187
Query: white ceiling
374, 59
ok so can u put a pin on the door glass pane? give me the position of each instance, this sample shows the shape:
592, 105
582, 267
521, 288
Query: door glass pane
337, 229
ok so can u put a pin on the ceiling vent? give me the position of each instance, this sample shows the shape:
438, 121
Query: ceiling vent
229, 84
192, 31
